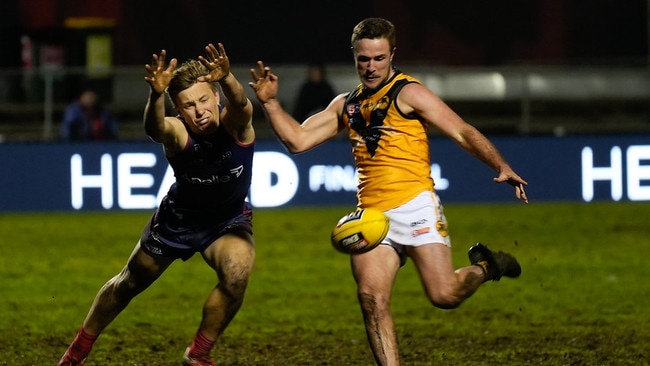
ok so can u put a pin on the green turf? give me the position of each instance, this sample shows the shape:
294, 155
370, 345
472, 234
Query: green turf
583, 297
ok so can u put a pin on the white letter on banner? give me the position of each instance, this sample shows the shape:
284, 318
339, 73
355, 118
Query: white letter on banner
333, 177
637, 173
591, 173
267, 167
440, 182
126, 180
78, 181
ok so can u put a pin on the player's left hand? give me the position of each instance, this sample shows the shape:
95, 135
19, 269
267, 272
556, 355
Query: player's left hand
514, 180
265, 83
216, 61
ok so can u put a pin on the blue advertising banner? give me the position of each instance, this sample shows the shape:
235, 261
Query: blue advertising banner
135, 175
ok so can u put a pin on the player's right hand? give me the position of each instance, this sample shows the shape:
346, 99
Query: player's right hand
265, 83
159, 77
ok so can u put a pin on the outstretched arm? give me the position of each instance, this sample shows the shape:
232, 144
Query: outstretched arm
238, 108
158, 78
416, 98
296, 137
478, 145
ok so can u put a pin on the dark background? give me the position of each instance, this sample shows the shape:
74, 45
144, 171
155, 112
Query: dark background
462, 32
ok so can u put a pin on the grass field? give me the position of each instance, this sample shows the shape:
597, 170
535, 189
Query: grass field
583, 297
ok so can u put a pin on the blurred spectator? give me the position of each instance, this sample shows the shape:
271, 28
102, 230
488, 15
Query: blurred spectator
314, 94
87, 119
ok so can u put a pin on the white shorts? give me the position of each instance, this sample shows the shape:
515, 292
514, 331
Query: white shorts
417, 222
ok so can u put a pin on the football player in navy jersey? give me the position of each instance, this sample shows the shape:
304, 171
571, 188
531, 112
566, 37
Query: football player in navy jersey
209, 144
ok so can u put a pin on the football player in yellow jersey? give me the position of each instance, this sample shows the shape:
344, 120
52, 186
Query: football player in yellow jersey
387, 117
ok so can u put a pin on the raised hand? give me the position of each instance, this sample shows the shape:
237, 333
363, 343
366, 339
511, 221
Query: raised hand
159, 77
265, 83
217, 63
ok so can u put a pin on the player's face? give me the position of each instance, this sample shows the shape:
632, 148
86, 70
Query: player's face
199, 106
373, 59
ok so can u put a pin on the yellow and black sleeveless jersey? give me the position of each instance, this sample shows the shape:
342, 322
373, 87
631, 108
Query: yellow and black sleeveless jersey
391, 150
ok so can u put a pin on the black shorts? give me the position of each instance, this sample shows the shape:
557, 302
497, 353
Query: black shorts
173, 235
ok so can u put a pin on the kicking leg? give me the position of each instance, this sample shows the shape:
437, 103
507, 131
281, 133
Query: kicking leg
448, 288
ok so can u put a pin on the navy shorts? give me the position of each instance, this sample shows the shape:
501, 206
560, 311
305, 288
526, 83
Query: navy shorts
175, 234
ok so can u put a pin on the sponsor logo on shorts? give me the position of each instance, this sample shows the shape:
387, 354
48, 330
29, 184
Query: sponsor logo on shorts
419, 222
441, 226
418, 232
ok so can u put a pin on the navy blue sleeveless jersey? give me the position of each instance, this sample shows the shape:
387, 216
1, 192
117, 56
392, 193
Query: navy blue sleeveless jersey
213, 174
207, 200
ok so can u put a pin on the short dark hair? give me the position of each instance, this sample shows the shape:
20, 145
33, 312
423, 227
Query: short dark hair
371, 28
185, 76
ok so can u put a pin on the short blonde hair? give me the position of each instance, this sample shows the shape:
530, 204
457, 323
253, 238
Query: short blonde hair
185, 76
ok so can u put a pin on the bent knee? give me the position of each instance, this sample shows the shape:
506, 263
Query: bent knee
445, 300
234, 286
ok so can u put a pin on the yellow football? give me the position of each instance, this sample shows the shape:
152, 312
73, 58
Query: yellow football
360, 231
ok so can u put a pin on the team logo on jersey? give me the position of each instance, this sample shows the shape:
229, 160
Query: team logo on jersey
372, 132
237, 171
352, 109
369, 130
